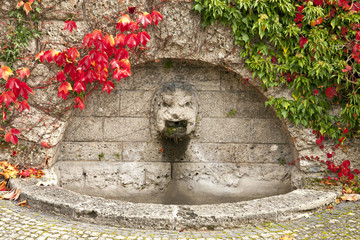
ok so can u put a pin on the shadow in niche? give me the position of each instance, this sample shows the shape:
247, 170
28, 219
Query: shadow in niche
175, 151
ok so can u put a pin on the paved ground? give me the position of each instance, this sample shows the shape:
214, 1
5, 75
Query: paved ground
16, 222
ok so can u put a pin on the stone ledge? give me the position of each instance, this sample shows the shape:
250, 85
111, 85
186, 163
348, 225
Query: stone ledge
56, 200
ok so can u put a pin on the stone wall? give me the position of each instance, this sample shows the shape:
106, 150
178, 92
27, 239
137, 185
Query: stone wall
239, 149
179, 36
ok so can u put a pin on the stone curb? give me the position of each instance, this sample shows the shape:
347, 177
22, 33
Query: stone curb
53, 199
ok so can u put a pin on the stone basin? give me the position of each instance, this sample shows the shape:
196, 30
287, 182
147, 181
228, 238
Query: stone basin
56, 200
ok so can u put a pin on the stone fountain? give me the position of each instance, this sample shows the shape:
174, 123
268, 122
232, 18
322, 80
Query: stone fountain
190, 146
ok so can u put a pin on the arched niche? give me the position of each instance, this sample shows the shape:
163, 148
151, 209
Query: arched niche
238, 149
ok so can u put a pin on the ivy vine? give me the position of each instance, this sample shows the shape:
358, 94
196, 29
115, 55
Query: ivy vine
311, 46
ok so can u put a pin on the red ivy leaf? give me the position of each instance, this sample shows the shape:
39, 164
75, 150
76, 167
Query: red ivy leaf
24, 90
70, 25
120, 73
120, 39
124, 23
331, 92
79, 87
143, 37
298, 18
50, 55
156, 17
40, 56
60, 59
64, 90
131, 40
23, 72
23, 105
80, 104
134, 26
61, 76
131, 10
145, 19
72, 53
121, 54
15, 131
8, 97
88, 76
318, 2
348, 68
303, 41
14, 85
108, 86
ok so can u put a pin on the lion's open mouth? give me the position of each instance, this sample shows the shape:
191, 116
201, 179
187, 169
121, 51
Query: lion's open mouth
175, 129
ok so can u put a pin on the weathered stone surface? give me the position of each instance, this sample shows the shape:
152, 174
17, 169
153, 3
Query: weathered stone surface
90, 151
85, 129
5, 7
99, 104
155, 216
124, 180
135, 103
268, 131
126, 129
63, 9
146, 78
36, 126
232, 130
55, 35
264, 153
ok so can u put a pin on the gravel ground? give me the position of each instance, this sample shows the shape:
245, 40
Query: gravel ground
342, 222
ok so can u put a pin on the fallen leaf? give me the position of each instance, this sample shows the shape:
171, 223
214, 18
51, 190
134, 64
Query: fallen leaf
3, 186
12, 195
22, 203
330, 207
285, 237
349, 198
349, 191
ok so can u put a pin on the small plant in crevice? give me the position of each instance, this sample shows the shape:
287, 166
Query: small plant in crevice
101, 156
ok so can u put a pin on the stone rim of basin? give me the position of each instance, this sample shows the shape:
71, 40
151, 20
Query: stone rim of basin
53, 199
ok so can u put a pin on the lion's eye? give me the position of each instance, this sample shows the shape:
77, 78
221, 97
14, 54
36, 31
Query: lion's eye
188, 104
164, 104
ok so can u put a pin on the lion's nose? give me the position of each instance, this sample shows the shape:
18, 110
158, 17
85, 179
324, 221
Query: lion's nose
175, 116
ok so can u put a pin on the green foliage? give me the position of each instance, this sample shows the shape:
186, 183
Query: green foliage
20, 31
310, 46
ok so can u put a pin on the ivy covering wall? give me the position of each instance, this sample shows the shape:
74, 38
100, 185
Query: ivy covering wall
311, 46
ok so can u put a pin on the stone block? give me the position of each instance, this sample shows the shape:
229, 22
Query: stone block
62, 9
216, 103
84, 129
143, 151
249, 109
135, 103
230, 181
101, 104
90, 151
232, 130
121, 180
126, 129
207, 152
268, 131
230, 81
263, 153
152, 78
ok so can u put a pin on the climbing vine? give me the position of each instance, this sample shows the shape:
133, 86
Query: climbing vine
310, 46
